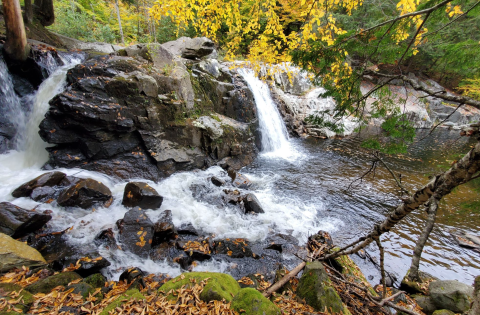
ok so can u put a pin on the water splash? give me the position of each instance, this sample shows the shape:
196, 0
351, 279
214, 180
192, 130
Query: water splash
274, 135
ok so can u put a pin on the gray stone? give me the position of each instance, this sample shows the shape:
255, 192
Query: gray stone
425, 302
164, 229
217, 181
136, 232
213, 127
85, 194
45, 180
18, 222
451, 295
252, 204
138, 194
190, 48
177, 81
15, 254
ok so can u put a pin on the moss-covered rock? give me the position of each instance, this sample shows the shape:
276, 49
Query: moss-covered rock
425, 302
82, 288
250, 301
97, 280
421, 286
9, 313
26, 300
219, 286
352, 272
133, 294
443, 312
46, 285
317, 290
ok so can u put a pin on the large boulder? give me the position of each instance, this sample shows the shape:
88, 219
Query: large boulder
252, 302
317, 290
138, 194
85, 194
451, 295
190, 48
134, 118
15, 254
136, 232
417, 285
219, 285
46, 285
45, 180
18, 222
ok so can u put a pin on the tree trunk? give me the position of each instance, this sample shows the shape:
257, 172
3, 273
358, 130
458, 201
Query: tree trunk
16, 46
44, 11
117, 7
475, 309
441, 185
28, 11
417, 252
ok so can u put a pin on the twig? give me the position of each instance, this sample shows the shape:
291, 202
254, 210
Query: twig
382, 266
377, 155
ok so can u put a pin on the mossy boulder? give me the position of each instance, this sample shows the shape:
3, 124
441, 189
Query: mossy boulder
26, 297
250, 301
317, 290
420, 286
97, 280
451, 295
443, 312
219, 286
46, 285
130, 295
82, 288
425, 302
351, 271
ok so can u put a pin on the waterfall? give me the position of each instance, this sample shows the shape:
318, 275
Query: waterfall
274, 135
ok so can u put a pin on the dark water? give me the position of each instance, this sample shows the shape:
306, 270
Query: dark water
328, 177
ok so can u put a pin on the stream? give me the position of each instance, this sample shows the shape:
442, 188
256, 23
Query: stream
303, 186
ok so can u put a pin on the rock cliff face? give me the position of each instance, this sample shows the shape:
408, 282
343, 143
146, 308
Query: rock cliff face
149, 113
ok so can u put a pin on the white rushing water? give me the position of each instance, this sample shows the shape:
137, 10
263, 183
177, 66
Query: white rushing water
282, 213
274, 135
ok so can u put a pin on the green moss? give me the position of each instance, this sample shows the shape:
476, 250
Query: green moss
443, 312
27, 297
84, 289
46, 285
133, 294
250, 301
317, 290
219, 286
97, 280
216, 118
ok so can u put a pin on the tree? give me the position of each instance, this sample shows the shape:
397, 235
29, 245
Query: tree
117, 8
16, 46
44, 11
339, 41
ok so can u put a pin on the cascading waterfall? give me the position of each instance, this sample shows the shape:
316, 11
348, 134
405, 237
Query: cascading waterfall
274, 135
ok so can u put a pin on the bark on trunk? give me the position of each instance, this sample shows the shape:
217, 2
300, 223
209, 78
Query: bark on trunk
16, 46
44, 12
417, 252
475, 310
28, 11
460, 173
117, 7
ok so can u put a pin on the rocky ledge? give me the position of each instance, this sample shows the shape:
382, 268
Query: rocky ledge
150, 112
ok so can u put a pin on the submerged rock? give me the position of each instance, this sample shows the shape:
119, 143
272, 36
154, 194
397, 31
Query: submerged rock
164, 230
85, 194
18, 222
45, 180
15, 254
136, 232
235, 248
138, 194
107, 238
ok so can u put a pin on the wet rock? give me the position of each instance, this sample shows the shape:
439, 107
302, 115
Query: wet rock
451, 295
219, 286
136, 232
317, 289
89, 264
54, 247
190, 48
187, 229
138, 194
18, 222
82, 288
85, 194
107, 238
239, 180
252, 204
251, 301
46, 285
45, 180
41, 194
134, 277
213, 128
196, 250
282, 243
233, 197
235, 248
25, 298
322, 238
164, 230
